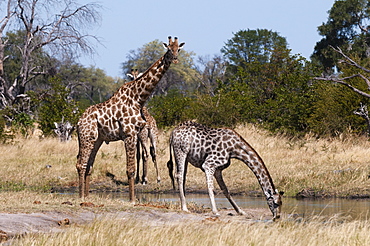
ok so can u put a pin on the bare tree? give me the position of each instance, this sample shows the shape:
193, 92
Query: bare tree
58, 28
212, 71
343, 81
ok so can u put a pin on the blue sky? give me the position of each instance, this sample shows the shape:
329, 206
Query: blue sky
203, 25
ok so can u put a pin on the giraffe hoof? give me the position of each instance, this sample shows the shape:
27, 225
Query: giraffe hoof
241, 212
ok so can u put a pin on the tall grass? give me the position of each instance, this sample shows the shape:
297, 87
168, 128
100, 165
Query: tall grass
326, 166
131, 231
30, 168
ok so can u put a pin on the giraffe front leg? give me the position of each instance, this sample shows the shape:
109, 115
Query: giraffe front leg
130, 145
221, 183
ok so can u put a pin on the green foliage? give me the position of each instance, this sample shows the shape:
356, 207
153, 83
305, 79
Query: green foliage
23, 123
170, 109
181, 76
54, 106
252, 46
342, 30
334, 105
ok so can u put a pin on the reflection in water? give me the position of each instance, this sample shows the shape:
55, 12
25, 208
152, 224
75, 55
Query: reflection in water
356, 209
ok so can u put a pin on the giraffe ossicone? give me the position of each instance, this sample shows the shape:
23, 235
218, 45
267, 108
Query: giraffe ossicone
120, 118
211, 149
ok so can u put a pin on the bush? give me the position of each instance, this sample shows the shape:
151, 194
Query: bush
55, 106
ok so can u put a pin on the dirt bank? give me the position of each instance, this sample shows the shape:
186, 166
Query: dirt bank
13, 225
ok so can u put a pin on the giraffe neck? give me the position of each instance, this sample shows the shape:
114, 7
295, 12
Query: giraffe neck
250, 157
145, 84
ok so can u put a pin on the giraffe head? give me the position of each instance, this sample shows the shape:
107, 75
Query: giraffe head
173, 47
274, 202
134, 74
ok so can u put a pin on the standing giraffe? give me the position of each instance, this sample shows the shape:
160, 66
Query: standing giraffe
150, 131
211, 149
120, 118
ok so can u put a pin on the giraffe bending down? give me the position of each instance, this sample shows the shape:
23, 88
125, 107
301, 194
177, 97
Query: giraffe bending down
211, 149
150, 131
120, 118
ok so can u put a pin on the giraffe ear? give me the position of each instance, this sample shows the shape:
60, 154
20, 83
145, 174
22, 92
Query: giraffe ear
165, 45
180, 46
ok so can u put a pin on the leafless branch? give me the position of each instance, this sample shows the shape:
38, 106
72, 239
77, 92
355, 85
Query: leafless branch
347, 60
342, 82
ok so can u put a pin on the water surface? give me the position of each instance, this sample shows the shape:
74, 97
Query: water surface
355, 209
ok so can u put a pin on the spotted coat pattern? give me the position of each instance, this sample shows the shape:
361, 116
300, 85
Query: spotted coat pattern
120, 118
150, 131
211, 149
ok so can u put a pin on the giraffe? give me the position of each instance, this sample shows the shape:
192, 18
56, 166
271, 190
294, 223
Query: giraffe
134, 74
211, 149
150, 131
120, 118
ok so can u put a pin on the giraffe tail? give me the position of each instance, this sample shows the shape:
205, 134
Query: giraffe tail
170, 165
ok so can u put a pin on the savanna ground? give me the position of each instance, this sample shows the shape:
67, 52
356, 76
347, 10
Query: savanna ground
34, 172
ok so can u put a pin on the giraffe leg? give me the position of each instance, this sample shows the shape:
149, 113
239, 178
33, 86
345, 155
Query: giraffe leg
221, 183
170, 172
209, 177
81, 182
154, 159
130, 145
84, 171
138, 156
144, 178
180, 177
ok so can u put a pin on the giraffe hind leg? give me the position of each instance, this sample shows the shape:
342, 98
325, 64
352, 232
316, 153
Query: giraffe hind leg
209, 177
154, 159
180, 177
138, 157
84, 166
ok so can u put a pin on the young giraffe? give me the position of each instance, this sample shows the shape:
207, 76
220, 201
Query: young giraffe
150, 131
211, 149
120, 118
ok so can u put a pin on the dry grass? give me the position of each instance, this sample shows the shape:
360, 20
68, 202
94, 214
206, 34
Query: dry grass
30, 168
134, 232
332, 167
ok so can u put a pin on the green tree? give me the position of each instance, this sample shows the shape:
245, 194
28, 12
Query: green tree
345, 28
53, 105
170, 109
275, 84
87, 86
250, 46
182, 76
